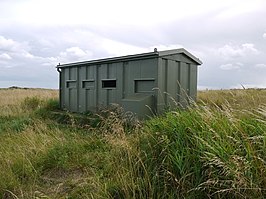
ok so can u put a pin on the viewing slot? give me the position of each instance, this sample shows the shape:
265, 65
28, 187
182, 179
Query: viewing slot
109, 83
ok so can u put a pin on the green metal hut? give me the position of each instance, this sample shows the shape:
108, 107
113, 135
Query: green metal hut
143, 83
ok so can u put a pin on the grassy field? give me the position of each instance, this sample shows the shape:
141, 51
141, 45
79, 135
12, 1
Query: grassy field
215, 149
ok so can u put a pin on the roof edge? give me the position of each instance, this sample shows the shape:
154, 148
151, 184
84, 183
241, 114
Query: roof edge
111, 59
136, 56
178, 51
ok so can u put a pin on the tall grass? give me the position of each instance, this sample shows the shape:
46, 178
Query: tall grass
210, 151
40, 158
214, 150
208, 154
16, 96
237, 99
10, 99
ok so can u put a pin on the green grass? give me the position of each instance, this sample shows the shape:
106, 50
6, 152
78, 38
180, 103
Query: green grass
216, 149
205, 154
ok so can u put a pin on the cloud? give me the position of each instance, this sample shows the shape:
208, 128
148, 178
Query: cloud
118, 11
74, 54
115, 48
161, 47
260, 66
231, 66
18, 50
76, 51
6, 43
5, 56
37, 42
15, 55
45, 42
238, 7
230, 51
9, 45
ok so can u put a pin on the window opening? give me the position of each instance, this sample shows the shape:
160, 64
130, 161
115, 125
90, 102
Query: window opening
110, 83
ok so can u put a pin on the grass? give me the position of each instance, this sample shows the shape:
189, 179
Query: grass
248, 99
215, 149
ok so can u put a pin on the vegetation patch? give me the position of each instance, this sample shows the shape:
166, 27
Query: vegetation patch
215, 149
13, 124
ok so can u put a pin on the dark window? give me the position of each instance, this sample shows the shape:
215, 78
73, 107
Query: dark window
110, 83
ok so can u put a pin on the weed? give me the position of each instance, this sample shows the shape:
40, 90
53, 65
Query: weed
31, 103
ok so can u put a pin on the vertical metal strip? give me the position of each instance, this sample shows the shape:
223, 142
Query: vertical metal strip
107, 90
188, 81
97, 88
123, 80
78, 87
166, 83
69, 77
179, 82
86, 91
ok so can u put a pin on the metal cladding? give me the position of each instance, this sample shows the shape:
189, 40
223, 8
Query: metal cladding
144, 84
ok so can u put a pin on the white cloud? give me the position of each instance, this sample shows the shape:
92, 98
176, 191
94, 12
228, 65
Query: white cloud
17, 54
118, 11
76, 51
5, 56
230, 51
165, 47
260, 66
240, 7
6, 43
45, 42
231, 66
138, 12
115, 48
74, 54
5, 66
28, 55
14, 48
37, 42
49, 61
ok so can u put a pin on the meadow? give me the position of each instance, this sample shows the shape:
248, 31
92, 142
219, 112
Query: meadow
214, 149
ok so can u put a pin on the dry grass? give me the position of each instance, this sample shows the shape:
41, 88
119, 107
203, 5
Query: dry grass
240, 99
16, 96
11, 99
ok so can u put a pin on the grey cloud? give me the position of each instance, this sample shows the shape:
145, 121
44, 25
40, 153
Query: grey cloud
24, 65
75, 53
222, 44
230, 51
262, 66
5, 56
233, 66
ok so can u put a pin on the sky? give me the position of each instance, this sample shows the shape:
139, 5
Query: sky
228, 36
